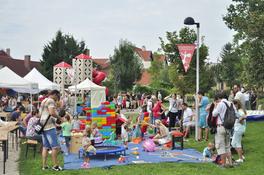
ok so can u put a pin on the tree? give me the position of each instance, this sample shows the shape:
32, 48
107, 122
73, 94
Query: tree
230, 66
246, 17
61, 48
159, 73
183, 81
126, 67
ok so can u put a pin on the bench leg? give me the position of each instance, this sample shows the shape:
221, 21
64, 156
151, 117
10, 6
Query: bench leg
26, 150
35, 150
181, 143
5, 155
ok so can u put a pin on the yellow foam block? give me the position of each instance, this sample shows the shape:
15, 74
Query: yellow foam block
111, 113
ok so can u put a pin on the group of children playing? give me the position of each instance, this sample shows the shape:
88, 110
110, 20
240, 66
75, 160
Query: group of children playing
129, 131
89, 134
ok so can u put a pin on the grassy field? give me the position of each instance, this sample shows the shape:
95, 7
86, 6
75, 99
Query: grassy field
253, 143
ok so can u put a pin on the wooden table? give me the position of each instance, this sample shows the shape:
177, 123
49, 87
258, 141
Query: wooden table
4, 115
4, 130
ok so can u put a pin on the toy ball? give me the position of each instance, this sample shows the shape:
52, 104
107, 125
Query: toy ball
149, 145
135, 153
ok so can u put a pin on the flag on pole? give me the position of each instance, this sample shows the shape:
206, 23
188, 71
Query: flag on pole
186, 53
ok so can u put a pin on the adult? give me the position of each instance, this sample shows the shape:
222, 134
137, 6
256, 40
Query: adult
204, 101
30, 133
16, 116
159, 96
173, 110
179, 104
27, 118
149, 104
163, 135
247, 102
253, 100
49, 136
158, 109
222, 136
119, 100
12, 103
239, 95
239, 130
187, 121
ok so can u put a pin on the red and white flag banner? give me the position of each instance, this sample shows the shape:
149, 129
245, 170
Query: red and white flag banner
186, 53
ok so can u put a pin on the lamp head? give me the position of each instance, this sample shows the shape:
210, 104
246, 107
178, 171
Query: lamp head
189, 21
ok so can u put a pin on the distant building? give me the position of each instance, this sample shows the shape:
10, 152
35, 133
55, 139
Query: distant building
145, 56
19, 66
103, 64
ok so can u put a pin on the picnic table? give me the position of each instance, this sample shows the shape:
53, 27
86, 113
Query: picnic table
4, 115
4, 131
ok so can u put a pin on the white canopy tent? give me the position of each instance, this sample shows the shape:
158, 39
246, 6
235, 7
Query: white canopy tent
9, 79
97, 92
43, 83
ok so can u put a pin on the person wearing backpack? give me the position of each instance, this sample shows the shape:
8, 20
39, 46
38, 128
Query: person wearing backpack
222, 136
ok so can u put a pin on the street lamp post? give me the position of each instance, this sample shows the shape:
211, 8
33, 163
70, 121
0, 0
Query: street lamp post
190, 21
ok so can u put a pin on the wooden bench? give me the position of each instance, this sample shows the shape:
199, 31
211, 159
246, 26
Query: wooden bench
177, 136
31, 144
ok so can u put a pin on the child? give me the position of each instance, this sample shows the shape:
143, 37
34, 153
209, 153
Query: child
145, 120
87, 147
95, 130
96, 135
76, 123
208, 152
124, 134
66, 130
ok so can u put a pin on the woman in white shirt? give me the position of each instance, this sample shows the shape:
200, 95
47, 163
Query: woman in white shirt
173, 110
239, 130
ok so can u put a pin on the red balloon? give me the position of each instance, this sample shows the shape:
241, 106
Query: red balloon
98, 77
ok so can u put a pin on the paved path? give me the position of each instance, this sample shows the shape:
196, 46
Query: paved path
12, 161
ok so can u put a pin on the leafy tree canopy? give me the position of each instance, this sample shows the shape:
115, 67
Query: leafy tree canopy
126, 67
183, 81
62, 48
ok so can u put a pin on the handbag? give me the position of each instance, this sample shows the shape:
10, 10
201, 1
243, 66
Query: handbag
39, 127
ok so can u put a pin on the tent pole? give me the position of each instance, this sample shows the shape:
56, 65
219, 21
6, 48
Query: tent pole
31, 102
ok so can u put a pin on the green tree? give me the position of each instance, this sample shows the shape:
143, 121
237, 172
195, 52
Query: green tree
62, 48
246, 17
126, 67
230, 66
184, 82
159, 73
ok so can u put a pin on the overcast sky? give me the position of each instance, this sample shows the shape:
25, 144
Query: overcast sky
27, 25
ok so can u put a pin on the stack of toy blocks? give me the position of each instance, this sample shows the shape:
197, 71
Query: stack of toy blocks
106, 119
88, 118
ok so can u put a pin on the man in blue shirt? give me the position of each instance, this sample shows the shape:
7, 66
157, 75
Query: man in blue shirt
15, 114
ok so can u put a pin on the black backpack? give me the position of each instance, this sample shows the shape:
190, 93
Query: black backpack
230, 116
211, 121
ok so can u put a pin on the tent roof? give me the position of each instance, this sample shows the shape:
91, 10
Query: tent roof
83, 56
9, 79
35, 76
87, 85
63, 65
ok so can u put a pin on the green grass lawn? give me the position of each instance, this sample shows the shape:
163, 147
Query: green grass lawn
254, 152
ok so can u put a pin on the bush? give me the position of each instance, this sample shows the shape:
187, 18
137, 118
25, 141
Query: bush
142, 89
260, 102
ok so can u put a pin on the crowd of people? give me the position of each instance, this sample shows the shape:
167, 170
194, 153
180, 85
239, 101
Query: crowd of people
50, 111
